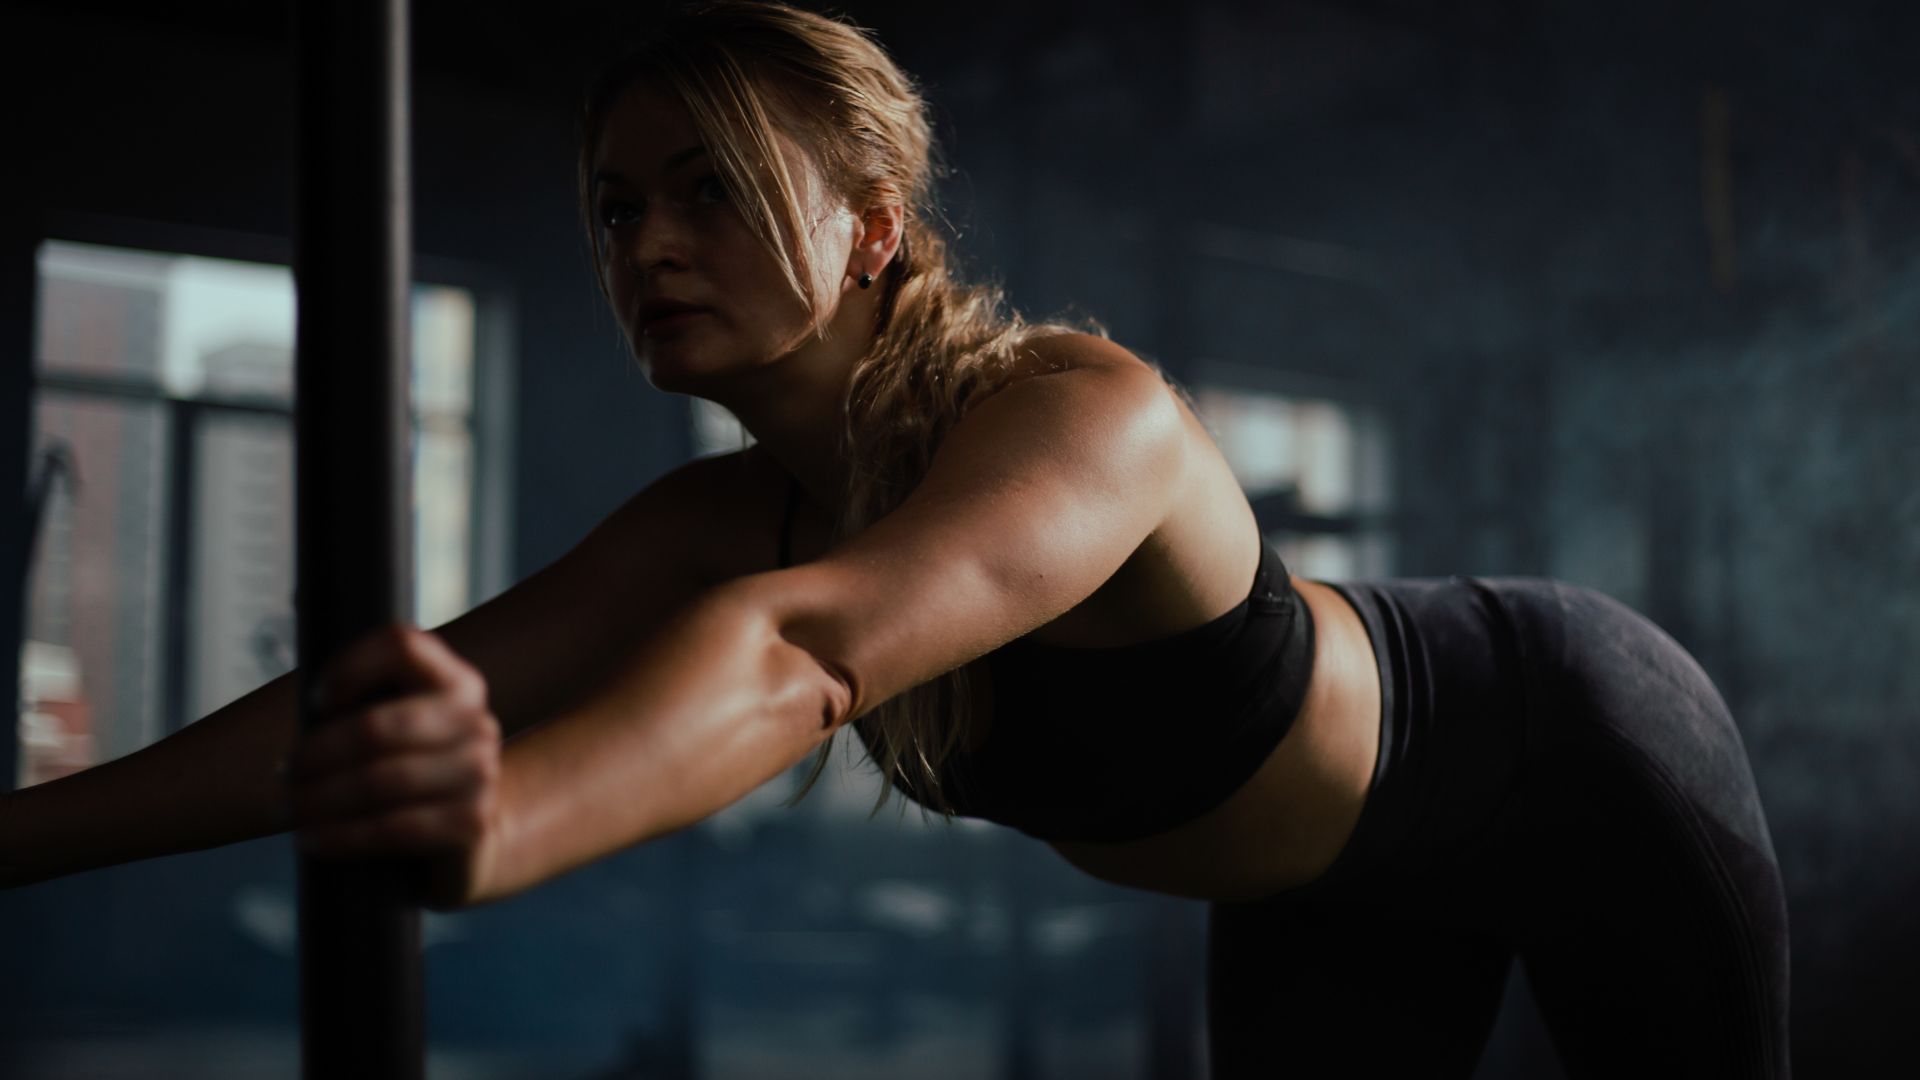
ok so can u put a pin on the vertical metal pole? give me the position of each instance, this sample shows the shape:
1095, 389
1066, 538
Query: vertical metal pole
361, 998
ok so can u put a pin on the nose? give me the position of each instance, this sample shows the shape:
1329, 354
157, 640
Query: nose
653, 240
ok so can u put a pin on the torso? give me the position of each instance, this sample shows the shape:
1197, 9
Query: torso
1285, 825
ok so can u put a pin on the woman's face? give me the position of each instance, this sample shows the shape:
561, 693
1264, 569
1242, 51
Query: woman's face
673, 238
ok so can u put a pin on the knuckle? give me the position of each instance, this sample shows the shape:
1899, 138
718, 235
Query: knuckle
418, 642
384, 774
412, 646
483, 762
421, 825
469, 819
381, 725
471, 685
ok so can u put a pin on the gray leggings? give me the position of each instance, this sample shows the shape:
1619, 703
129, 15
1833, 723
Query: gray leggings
1558, 781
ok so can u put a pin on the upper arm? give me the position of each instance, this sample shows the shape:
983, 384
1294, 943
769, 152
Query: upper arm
555, 634
1033, 500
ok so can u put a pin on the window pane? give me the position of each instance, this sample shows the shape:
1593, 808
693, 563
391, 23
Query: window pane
442, 487
715, 430
442, 350
1256, 434
1318, 558
1324, 434
230, 329
1273, 442
100, 311
443, 328
241, 591
91, 675
191, 325
1329, 455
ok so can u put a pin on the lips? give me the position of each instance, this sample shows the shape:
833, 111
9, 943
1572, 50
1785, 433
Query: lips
660, 317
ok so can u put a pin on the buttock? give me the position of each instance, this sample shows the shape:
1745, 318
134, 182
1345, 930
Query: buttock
1559, 782
1512, 708
1605, 680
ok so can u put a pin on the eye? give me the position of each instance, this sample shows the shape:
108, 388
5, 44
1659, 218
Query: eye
712, 188
612, 210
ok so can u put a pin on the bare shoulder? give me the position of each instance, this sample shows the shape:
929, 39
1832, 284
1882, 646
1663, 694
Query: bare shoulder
1198, 559
1054, 354
701, 515
1109, 378
559, 629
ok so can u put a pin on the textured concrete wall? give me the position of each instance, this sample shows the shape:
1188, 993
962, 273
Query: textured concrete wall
1641, 292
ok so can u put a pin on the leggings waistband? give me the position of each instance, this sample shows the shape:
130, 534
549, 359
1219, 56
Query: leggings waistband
1452, 724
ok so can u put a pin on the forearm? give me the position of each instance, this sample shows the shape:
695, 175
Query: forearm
213, 782
715, 704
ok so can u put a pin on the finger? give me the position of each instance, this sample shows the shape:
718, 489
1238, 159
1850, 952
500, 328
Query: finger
392, 782
419, 722
415, 829
394, 659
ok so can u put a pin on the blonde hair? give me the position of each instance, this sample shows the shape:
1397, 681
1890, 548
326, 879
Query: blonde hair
745, 71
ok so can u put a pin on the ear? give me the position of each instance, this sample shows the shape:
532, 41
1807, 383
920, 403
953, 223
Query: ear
881, 228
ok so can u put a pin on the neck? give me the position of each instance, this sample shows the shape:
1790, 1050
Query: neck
794, 406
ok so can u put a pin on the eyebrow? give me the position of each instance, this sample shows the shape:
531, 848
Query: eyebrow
674, 161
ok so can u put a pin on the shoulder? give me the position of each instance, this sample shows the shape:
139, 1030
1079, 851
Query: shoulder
698, 515
1105, 376
1045, 354
701, 490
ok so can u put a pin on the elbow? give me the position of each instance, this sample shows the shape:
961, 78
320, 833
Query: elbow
842, 695
820, 685
827, 687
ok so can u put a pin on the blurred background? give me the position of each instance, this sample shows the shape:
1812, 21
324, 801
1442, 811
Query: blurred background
1623, 294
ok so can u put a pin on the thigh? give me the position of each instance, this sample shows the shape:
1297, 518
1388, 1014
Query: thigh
1659, 942
1345, 985
1662, 944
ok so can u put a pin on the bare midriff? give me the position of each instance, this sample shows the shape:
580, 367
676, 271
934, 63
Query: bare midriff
1287, 824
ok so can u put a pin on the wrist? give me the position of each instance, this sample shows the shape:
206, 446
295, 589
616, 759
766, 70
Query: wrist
501, 869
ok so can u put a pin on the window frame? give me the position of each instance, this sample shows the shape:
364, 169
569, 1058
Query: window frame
491, 421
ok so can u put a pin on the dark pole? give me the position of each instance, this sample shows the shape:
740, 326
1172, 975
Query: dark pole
361, 1000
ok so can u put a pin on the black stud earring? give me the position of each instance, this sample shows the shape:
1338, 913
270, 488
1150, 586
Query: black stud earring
866, 280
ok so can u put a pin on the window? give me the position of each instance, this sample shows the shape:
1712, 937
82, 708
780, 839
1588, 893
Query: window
163, 567
1314, 466
715, 430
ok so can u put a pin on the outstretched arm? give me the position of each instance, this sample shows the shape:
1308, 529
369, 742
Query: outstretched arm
1033, 501
217, 780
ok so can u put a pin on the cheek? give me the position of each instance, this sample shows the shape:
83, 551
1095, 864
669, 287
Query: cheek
618, 281
764, 296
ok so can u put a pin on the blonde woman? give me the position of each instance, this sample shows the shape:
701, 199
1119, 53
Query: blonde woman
1010, 559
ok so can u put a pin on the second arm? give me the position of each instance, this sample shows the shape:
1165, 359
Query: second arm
711, 706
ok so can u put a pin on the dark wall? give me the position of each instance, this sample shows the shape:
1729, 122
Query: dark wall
1638, 287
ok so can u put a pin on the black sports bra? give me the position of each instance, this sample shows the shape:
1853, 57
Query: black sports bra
1117, 743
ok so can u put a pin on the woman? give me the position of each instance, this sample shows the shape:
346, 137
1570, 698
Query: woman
1011, 559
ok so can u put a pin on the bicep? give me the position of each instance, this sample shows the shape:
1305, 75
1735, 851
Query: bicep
1035, 498
556, 633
